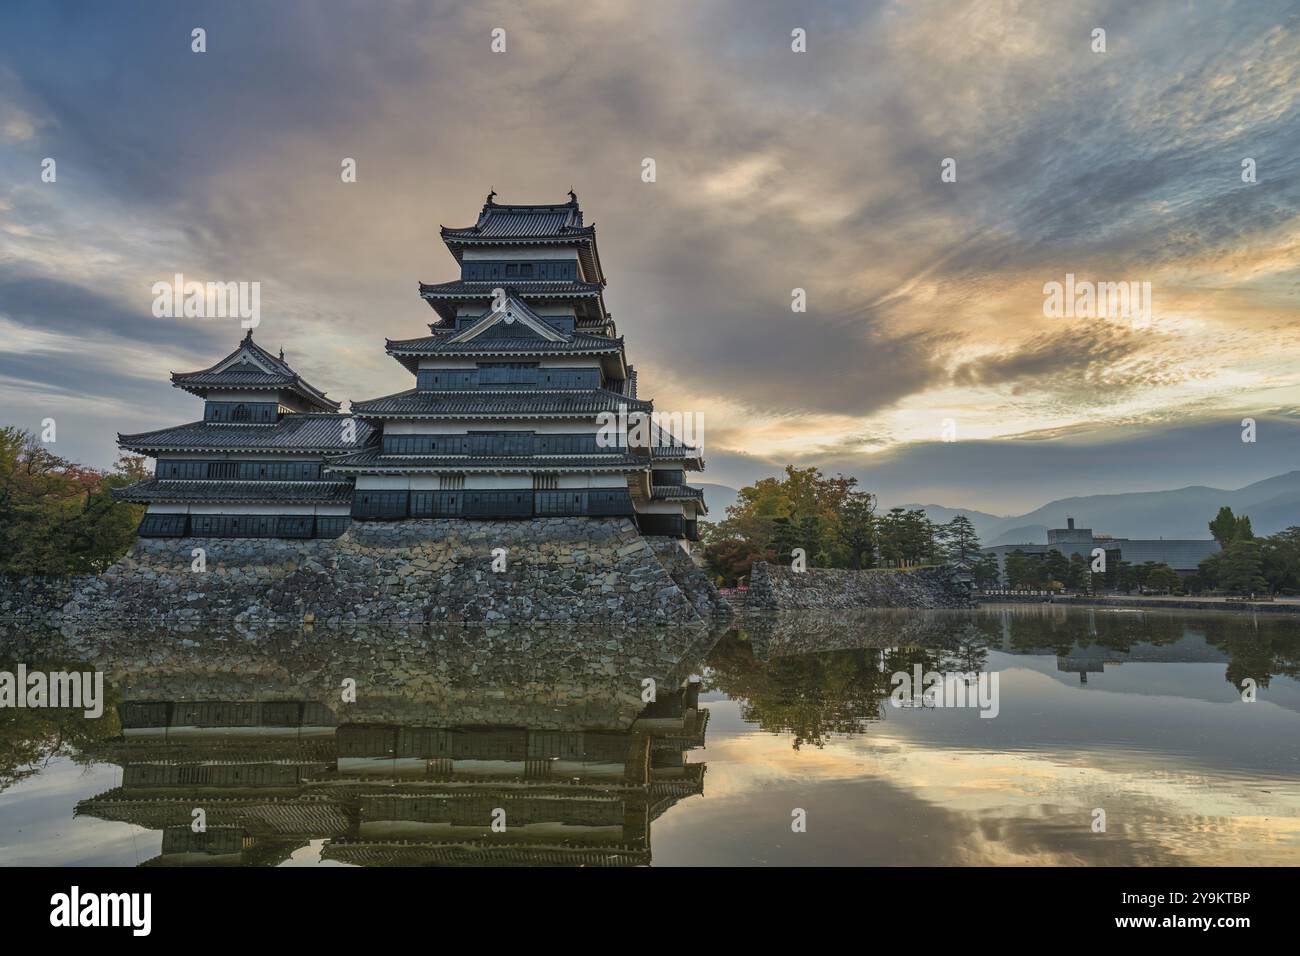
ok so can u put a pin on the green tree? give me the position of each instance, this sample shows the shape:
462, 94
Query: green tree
985, 570
1056, 568
1242, 568
963, 544
1025, 570
57, 517
1224, 526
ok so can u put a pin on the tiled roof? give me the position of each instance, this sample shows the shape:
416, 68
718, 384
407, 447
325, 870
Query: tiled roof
315, 432
675, 452
487, 404
294, 492
552, 224
675, 492
440, 344
373, 460
548, 221
532, 289
250, 374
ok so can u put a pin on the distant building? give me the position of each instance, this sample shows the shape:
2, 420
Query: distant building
1184, 555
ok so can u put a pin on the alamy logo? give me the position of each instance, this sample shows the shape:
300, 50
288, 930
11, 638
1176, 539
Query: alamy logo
103, 909
208, 300
933, 689
624, 429
77, 690
1084, 299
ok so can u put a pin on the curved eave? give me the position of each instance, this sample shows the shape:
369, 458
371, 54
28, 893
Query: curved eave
585, 239
590, 304
360, 409
475, 416
152, 450
443, 466
690, 461
181, 491
410, 360
296, 387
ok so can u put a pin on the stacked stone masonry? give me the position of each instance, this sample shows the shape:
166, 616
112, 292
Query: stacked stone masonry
557, 570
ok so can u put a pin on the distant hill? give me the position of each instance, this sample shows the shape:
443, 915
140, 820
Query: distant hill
1272, 504
1021, 534
985, 524
717, 498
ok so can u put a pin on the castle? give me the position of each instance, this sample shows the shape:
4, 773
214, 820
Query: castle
522, 368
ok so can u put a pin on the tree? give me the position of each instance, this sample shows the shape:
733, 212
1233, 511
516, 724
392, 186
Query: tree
1242, 568
1227, 527
827, 517
1056, 568
58, 517
985, 570
1025, 570
857, 530
1224, 526
1160, 578
1078, 577
961, 540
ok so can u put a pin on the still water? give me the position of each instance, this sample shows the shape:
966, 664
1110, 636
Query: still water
1120, 738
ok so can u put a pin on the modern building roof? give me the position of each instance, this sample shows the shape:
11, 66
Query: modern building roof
1181, 554
250, 366
372, 461
295, 432
237, 492
545, 224
532, 403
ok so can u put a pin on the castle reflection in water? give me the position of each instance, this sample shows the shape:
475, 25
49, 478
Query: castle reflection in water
388, 745
508, 751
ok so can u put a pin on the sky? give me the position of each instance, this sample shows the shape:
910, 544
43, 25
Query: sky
925, 364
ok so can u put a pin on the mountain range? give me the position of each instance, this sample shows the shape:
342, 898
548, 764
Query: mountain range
1272, 504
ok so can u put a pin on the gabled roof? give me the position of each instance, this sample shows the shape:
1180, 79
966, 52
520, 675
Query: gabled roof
250, 366
444, 344
484, 403
512, 313
517, 221
307, 432
546, 224
443, 296
409, 351
514, 329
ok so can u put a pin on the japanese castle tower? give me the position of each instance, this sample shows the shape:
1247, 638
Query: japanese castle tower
254, 466
509, 417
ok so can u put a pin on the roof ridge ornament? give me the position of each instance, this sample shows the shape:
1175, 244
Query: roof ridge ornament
491, 197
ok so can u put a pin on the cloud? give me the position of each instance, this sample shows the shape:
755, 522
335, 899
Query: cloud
776, 171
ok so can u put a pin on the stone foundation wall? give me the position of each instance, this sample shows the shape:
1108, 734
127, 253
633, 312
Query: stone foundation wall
824, 589
691, 578
35, 598
558, 570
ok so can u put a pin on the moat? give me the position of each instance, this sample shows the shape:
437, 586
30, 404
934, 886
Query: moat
771, 739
